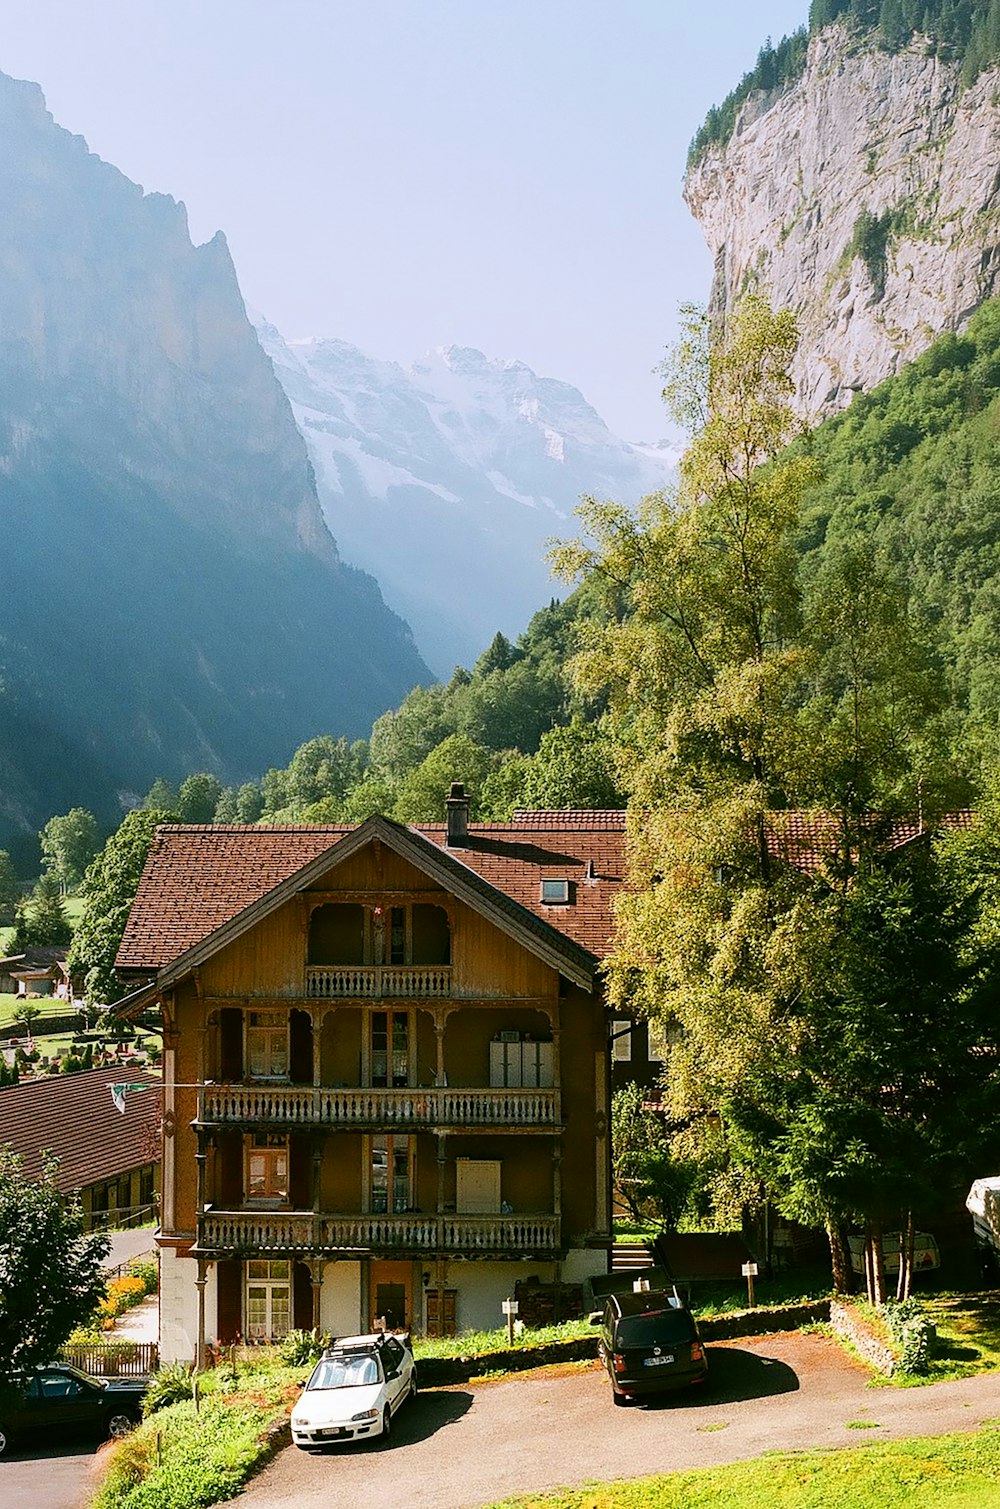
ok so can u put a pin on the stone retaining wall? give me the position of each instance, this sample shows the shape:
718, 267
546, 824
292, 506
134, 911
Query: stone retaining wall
854, 1328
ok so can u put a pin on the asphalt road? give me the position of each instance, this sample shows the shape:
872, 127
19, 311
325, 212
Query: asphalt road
52, 1477
464, 1447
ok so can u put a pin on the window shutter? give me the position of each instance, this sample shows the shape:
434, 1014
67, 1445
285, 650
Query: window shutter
230, 1044
229, 1318
300, 1064
302, 1312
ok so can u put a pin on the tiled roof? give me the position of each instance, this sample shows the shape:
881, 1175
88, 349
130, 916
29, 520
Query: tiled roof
75, 1117
197, 878
807, 839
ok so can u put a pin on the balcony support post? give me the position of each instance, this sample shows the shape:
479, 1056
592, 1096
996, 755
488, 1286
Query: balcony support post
439, 1021
317, 1032
316, 1267
439, 1211
200, 1282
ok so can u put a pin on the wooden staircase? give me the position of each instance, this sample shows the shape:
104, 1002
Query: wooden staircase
629, 1256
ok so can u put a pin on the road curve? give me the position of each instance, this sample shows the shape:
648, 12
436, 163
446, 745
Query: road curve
464, 1447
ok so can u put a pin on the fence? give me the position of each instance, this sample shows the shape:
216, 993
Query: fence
114, 1359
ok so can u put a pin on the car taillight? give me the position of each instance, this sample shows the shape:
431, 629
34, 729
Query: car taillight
619, 1363
697, 1352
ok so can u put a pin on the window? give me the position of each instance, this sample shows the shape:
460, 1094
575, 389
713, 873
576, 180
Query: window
555, 892
621, 1041
390, 1049
267, 1169
267, 1044
268, 1300
391, 1184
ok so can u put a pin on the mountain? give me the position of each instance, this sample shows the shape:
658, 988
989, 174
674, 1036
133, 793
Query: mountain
853, 179
448, 477
172, 598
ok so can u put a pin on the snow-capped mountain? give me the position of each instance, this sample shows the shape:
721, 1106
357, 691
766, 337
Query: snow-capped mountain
447, 478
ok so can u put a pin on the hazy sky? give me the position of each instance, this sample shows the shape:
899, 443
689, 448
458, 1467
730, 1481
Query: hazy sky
411, 173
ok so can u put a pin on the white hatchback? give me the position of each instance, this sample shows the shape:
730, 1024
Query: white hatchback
355, 1390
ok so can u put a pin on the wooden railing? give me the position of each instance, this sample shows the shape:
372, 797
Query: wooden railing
302, 1106
113, 1359
264, 1232
377, 981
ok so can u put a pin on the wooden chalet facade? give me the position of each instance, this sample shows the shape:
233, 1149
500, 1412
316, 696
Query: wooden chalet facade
386, 1068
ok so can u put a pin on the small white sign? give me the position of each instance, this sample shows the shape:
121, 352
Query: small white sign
509, 1306
749, 1270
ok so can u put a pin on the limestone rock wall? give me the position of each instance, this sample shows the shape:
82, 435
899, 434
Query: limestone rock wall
894, 138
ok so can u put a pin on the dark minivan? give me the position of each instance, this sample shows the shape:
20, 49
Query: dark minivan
649, 1342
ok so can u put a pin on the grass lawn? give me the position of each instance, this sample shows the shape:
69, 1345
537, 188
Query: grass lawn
953, 1472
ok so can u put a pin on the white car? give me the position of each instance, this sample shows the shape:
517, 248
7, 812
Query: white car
355, 1390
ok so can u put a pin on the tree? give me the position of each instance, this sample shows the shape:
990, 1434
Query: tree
731, 699
109, 888
69, 843
52, 1275
422, 792
651, 1181
27, 1014
10, 888
161, 797
198, 798
42, 921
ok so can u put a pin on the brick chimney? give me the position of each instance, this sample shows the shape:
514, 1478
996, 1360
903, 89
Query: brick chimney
457, 808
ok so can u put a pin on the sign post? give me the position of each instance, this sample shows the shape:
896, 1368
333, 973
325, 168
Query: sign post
509, 1307
750, 1273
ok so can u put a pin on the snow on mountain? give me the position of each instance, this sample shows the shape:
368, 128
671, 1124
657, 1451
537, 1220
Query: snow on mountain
447, 478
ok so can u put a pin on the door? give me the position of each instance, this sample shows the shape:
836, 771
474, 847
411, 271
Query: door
392, 1294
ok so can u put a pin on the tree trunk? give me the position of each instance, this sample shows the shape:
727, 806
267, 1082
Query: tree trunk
840, 1258
906, 1243
875, 1264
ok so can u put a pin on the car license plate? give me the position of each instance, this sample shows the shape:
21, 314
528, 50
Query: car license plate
656, 1362
334, 1431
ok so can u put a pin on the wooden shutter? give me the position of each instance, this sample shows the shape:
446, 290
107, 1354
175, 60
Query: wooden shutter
230, 1044
229, 1299
300, 1172
229, 1170
302, 1304
300, 1049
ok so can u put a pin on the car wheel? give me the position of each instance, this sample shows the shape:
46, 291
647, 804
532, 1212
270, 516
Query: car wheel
6, 1441
619, 1399
119, 1425
413, 1386
386, 1423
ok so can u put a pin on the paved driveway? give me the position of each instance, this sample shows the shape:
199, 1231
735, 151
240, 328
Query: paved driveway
53, 1477
464, 1447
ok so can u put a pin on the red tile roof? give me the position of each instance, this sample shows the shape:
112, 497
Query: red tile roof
197, 878
75, 1117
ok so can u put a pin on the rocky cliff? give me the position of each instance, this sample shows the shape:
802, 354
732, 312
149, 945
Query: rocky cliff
866, 196
172, 598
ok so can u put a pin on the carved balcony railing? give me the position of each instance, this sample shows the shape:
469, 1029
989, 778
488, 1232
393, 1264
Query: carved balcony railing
419, 982
303, 1106
289, 1232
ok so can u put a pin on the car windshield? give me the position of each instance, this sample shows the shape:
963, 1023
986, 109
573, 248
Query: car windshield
655, 1328
345, 1372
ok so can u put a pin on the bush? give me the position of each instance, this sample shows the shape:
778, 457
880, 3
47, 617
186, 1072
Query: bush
300, 1348
147, 1271
911, 1332
170, 1385
122, 1294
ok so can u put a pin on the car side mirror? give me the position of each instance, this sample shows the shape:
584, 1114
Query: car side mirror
302, 1383
392, 1373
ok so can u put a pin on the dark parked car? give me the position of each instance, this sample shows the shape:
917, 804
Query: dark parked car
649, 1342
60, 1399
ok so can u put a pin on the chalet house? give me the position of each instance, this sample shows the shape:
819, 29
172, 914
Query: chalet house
37, 972
108, 1158
386, 1068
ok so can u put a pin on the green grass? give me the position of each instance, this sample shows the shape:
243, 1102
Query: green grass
484, 1343
968, 1328
943, 1472
188, 1458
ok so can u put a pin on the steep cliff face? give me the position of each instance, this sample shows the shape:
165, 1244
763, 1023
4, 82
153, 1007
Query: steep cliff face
866, 196
172, 598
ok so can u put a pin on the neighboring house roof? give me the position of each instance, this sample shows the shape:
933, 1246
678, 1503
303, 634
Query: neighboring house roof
202, 886
74, 1116
36, 958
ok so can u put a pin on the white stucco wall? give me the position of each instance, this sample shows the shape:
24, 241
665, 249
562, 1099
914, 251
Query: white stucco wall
340, 1299
179, 1307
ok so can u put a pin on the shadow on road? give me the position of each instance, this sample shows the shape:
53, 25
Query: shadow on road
424, 1417
41, 1449
732, 1375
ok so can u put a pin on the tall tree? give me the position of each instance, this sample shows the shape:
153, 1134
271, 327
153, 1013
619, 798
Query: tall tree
10, 888
69, 843
109, 888
52, 1275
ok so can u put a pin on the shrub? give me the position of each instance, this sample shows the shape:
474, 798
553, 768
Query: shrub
147, 1271
122, 1294
302, 1347
911, 1332
172, 1383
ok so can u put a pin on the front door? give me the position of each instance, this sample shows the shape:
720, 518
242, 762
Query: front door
392, 1294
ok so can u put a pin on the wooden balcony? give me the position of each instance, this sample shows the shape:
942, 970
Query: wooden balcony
343, 1109
288, 1233
421, 982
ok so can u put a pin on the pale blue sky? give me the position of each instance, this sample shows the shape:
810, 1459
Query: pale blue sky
410, 173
